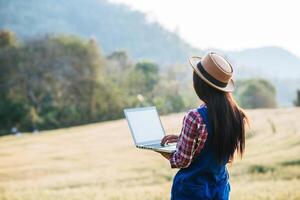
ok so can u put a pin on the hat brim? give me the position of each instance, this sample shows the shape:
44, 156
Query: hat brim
194, 60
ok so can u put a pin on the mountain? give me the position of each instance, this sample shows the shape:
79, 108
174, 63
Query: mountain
118, 27
276, 64
272, 61
114, 26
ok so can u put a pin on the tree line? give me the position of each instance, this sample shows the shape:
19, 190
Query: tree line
61, 80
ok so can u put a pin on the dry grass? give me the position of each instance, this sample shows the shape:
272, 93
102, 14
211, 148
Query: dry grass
80, 163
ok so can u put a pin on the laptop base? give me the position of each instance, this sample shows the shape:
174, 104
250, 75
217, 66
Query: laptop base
165, 149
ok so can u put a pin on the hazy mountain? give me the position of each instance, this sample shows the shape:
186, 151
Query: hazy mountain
114, 26
119, 27
276, 64
273, 62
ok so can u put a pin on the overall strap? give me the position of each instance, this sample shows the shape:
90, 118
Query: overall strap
203, 112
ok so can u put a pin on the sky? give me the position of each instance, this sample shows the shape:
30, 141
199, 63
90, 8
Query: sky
227, 24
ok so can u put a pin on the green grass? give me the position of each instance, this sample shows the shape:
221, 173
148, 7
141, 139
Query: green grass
79, 163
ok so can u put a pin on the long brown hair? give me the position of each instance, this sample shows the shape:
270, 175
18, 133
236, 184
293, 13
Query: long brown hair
226, 118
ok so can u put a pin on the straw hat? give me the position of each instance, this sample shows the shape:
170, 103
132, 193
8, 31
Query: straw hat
215, 70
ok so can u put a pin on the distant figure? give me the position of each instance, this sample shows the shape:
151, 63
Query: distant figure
35, 131
15, 131
210, 135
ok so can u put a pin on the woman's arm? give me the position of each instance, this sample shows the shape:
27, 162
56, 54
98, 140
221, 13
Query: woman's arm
193, 129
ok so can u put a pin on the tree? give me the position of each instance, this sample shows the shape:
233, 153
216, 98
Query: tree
148, 72
7, 39
59, 81
142, 79
256, 93
120, 59
53, 81
297, 100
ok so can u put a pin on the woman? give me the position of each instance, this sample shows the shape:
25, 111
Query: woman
210, 135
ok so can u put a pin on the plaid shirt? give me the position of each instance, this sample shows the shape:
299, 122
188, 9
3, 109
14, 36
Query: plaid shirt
191, 140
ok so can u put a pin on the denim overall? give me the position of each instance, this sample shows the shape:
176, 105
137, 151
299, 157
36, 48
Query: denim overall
204, 178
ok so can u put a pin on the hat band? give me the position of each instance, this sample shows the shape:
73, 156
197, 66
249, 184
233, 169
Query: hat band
209, 77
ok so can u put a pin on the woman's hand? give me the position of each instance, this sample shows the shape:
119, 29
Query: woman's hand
166, 140
169, 139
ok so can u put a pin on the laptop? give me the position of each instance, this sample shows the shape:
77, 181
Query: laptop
146, 129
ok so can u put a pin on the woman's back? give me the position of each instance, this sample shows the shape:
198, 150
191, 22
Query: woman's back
205, 178
210, 136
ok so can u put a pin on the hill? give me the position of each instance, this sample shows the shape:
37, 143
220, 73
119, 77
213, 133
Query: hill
80, 163
114, 26
119, 27
273, 62
276, 64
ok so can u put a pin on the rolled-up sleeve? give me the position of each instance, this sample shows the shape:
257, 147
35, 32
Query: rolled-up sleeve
191, 140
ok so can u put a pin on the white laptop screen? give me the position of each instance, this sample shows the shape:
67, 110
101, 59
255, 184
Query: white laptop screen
145, 124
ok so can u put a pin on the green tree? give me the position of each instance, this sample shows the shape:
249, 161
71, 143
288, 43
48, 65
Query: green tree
256, 93
61, 80
297, 100
7, 39
54, 81
142, 79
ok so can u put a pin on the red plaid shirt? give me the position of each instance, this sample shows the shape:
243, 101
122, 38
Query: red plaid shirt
191, 140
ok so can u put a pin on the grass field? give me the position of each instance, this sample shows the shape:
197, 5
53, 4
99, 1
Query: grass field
80, 164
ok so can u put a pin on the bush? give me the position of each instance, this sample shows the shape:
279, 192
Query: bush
260, 169
256, 93
297, 100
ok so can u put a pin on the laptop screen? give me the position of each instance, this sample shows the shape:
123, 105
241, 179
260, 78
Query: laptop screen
145, 124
